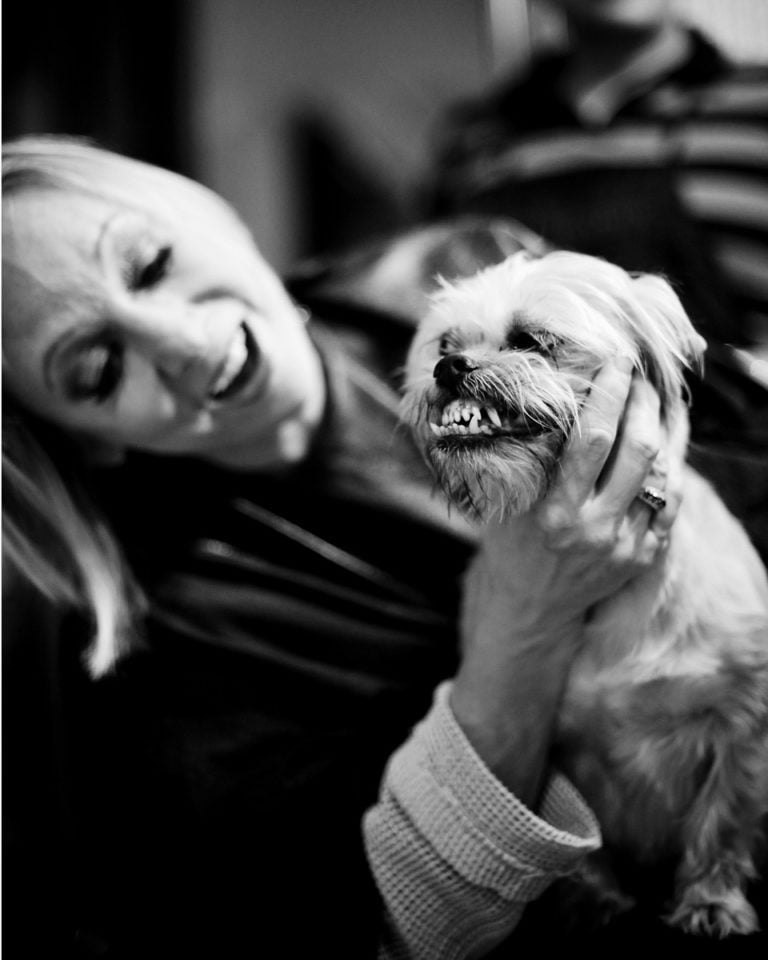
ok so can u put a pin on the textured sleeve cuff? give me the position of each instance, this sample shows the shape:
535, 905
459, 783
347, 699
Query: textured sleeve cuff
490, 837
455, 855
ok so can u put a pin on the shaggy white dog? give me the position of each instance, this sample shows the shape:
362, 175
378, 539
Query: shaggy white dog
664, 724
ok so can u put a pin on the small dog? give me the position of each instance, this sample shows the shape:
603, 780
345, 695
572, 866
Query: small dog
664, 724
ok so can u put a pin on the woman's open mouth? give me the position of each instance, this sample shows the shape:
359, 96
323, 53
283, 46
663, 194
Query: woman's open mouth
239, 366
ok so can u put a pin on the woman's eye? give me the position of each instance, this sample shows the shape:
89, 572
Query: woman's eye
148, 274
96, 373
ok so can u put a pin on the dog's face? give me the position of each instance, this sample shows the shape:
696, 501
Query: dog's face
500, 366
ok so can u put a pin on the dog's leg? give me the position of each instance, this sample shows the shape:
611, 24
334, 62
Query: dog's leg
591, 897
720, 834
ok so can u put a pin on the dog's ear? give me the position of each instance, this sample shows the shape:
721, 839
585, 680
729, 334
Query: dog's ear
669, 343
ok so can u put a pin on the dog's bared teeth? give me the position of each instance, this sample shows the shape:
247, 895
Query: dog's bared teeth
493, 416
462, 412
455, 428
465, 417
457, 411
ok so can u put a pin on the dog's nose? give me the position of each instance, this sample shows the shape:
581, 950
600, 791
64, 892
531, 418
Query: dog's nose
451, 369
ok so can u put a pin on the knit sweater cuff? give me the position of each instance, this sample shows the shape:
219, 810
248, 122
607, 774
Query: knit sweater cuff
475, 823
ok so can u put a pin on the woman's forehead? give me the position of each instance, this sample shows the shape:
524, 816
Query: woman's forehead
50, 255
47, 228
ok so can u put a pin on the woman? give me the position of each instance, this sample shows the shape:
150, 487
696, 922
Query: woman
215, 500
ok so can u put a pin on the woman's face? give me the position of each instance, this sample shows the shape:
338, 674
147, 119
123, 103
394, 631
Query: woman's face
168, 334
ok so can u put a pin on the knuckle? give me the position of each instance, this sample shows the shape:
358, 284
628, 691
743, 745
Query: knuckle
665, 519
642, 552
644, 448
649, 551
644, 558
675, 493
598, 441
674, 502
602, 540
558, 525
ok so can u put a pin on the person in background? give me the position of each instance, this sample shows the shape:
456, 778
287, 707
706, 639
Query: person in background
644, 144
239, 719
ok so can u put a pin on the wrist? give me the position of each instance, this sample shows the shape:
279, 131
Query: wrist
506, 701
529, 595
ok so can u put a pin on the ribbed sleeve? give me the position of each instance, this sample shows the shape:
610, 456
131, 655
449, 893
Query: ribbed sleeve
456, 856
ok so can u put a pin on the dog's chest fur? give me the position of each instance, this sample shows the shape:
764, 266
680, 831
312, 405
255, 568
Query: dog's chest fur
660, 678
664, 721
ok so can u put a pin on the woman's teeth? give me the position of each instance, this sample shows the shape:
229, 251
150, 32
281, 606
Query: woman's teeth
236, 358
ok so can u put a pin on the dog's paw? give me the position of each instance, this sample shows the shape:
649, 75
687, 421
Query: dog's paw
710, 914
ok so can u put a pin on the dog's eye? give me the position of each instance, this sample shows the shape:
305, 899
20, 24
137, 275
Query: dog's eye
522, 340
448, 344
543, 343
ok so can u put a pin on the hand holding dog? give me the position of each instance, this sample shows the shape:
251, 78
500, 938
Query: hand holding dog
590, 534
600, 638
536, 576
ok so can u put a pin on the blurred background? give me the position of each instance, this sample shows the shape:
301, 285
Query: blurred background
315, 118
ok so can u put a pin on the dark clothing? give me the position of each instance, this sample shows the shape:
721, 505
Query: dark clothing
223, 771
205, 799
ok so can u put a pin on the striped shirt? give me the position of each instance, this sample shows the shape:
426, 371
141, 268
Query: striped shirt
700, 129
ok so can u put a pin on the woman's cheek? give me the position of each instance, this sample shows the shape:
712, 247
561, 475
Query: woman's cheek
145, 408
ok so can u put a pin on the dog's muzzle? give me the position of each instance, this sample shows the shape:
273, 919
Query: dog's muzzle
467, 410
450, 370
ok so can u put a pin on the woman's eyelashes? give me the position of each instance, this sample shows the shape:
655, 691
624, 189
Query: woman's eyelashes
95, 373
147, 272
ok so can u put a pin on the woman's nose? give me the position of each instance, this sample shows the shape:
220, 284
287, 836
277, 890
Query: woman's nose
173, 337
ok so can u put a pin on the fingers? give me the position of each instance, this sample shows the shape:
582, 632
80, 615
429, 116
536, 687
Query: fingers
620, 447
635, 461
590, 447
647, 529
668, 478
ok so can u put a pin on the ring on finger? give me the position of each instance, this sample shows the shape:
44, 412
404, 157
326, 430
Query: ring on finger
653, 497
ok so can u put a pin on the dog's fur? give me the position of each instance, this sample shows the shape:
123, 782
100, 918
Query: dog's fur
664, 724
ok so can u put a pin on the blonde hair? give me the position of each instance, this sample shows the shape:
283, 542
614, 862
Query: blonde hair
54, 536
53, 533
74, 164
